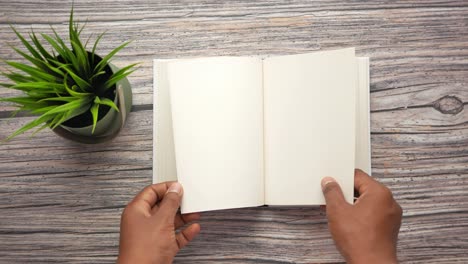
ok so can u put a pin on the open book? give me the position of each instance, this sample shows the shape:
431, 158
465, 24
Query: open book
245, 131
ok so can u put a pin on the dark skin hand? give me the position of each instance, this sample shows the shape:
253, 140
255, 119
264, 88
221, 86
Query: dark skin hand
366, 231
149, 223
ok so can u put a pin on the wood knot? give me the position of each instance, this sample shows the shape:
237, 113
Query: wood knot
449, 104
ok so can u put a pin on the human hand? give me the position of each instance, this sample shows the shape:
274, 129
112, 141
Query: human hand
367, 231
149, 223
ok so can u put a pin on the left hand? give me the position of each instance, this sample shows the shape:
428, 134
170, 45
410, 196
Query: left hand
149, 223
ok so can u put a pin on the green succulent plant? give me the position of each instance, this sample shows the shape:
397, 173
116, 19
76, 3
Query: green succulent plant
65, 83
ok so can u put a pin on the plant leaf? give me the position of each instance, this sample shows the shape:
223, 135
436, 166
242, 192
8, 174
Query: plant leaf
77, 111
108, 102
59, 99
56, 118
93, 52
82, 27
40, 85
72, 92
94, 111
69, 106
84, 85
62, 49
59, 64
18, 78
19, 100
26, 44
39, 47
43, 110
96, 75
6, 85
42, 93
56, 46
30, 125
109, 83
35, 73
71, 24
44, 65
82, 57
40, 129
63, 118
47, 67
37, 62
100, 66
60, 40
77, 94
87, 41
118, 75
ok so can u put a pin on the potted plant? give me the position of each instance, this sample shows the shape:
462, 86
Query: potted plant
75, 92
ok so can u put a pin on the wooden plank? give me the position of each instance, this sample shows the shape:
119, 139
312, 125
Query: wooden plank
61, 201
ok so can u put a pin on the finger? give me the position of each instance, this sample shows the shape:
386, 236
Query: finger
181, 220
170, 203
150, 195
363, 182
187, 235
333, 194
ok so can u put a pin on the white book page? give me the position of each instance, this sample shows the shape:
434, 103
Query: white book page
309, 120
363, 146
164, 164
217, 118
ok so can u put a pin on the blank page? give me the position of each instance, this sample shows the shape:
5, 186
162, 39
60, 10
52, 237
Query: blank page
217, 119
309, 125
363, 149
164, 165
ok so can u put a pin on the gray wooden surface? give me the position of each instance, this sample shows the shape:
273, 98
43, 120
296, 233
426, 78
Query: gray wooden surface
60, 202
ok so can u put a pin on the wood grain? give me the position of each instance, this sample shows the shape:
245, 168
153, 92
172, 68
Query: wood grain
61, 201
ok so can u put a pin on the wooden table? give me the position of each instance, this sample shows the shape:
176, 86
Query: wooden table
60, 202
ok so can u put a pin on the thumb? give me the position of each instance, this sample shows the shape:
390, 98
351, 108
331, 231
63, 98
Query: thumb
333, 194
170, 203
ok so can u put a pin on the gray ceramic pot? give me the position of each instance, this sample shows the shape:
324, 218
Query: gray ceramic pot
108, 126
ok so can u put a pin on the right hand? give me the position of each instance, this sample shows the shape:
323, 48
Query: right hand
366, 231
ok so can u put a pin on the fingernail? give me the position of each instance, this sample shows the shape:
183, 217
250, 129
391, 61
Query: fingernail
175, 188
326, 181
